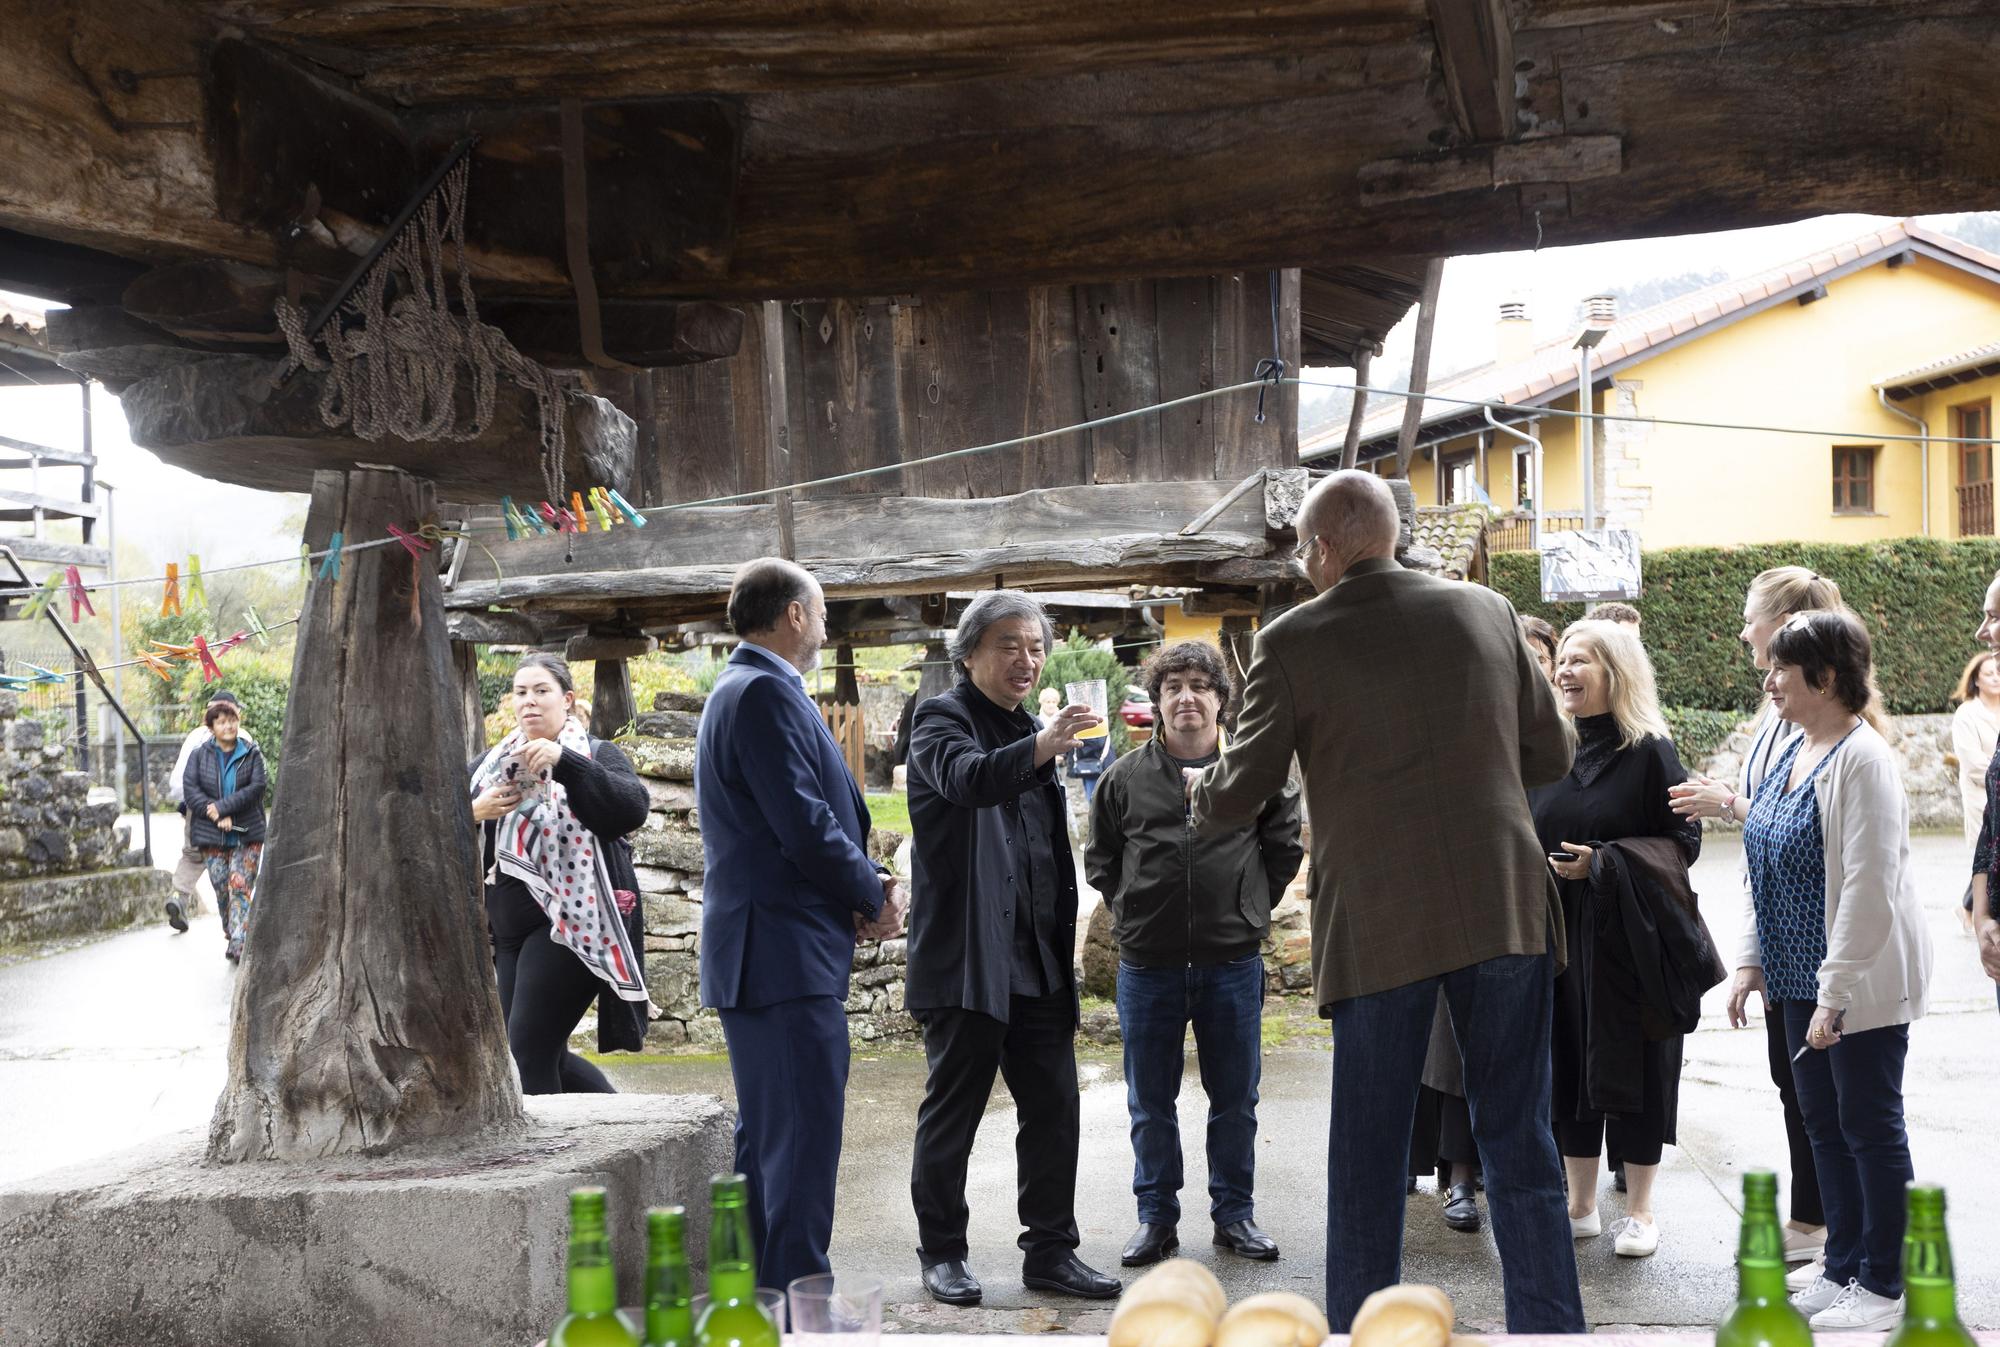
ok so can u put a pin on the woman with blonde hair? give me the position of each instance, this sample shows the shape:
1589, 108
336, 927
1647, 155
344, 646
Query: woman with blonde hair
1611, 1083
1775, 596
1975, 727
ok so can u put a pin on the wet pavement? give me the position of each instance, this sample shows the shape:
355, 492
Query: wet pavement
106, 1042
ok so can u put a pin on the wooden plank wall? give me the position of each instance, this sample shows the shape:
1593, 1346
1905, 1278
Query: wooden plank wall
877, 382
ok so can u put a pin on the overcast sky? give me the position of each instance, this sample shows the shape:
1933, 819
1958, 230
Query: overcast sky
168, 513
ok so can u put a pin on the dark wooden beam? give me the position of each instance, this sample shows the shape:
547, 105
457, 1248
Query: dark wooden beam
1420, 366
647, 332
1475, 42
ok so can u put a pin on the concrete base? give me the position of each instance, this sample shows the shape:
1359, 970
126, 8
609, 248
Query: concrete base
460, 1246
45, 906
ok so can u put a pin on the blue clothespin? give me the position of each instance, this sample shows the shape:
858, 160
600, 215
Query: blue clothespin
44, 675
625, 507
330, 568
511, 519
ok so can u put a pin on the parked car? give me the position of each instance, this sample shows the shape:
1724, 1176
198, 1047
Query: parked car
1137, 710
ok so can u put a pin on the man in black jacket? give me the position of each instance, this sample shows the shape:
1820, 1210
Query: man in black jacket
1192, 913
991, 975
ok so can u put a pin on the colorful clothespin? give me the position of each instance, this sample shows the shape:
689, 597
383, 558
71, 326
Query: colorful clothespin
157, 665
306, 565
79, 598
559, 520
197, 592
330, 568
625, 507
170, 602
37, 605
531, 522
412, 544
511, 518
576, 510
601, 509
172, 651
42, 675
257, 627
210, 672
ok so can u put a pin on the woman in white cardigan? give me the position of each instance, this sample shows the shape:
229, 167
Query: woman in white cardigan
1840, 942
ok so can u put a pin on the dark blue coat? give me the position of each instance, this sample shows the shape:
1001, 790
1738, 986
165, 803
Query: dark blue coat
201, 786
785, 833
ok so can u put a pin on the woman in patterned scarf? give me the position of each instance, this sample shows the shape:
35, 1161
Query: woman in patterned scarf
554, 806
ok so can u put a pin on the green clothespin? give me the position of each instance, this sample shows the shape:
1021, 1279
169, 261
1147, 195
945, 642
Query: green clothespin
257, 627
306, 564
40, 603
196, 592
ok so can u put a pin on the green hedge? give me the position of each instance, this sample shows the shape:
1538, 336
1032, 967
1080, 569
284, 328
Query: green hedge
1699, 733
1919, 596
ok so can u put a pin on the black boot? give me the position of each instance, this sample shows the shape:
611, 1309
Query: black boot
1149, 1244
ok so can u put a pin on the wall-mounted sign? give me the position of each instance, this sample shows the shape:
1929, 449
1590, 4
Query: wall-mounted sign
1585, 567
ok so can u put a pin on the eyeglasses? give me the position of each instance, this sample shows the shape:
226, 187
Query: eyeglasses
1305, 541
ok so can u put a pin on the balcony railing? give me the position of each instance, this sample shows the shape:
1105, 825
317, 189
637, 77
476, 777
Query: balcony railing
1975, 510
1516, 532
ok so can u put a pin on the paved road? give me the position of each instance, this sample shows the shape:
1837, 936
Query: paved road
114, 1040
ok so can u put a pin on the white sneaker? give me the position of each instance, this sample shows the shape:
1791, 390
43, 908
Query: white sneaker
1859, 1310
1799, 1278
1801, 1247
1639, 1239
1820, 1294
1586, 1227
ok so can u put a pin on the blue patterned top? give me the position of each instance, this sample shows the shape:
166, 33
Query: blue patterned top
1786, 852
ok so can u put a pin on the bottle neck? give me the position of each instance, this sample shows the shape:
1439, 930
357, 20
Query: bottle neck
1760, 1254
732, 1263
1927, 1275
593, 1284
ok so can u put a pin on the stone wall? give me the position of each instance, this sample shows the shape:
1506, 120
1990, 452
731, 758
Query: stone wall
667, 856
1923, 755
65, 865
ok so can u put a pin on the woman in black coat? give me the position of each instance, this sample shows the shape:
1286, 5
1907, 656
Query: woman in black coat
1616, 789
222, 789
562, 903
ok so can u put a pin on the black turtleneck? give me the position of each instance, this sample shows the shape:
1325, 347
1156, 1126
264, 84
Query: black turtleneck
1596, 746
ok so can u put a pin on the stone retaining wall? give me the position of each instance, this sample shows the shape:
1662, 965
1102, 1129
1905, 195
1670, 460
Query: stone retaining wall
66, 867
1923, 755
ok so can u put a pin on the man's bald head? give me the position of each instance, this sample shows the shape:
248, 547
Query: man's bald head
762, 590
1354, 514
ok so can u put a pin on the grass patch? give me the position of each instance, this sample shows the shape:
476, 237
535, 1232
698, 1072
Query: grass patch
890, 809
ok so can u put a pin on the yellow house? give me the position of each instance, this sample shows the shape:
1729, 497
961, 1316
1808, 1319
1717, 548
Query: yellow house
1893, 334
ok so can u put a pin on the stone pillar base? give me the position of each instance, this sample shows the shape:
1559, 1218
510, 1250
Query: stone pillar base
456, 1245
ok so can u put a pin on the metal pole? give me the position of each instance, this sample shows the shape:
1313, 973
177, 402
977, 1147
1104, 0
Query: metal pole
1586, 438
117, 628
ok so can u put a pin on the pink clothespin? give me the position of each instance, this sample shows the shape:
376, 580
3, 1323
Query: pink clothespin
79, 599
210, 671
412, 544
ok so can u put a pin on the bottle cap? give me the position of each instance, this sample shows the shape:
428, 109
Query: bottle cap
665, 1221
728, 1190
1927, 1198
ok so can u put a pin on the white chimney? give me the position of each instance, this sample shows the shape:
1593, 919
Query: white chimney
1514, 334
1600, 310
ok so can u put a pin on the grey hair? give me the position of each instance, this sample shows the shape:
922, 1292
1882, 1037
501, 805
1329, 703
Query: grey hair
995, 605
1355, 514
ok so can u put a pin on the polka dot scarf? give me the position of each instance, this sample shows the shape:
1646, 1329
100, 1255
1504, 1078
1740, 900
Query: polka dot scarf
547, 848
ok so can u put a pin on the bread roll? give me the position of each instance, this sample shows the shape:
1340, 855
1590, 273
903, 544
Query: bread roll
1176, 1304
1273, 1319
1404, 1316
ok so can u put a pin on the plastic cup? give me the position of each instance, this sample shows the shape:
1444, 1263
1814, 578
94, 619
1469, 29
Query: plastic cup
836, 1309
1093, 693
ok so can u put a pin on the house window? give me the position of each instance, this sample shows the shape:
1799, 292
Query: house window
1524, 478
1974, 421
1854, 478
1461, 480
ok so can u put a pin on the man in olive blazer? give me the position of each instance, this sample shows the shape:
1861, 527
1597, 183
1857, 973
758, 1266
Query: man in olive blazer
1419, 720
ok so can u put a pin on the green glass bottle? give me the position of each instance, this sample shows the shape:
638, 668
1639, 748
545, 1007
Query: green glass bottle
733, 1317
669, 1285
1764, 1315
593, 1319
1930, 1297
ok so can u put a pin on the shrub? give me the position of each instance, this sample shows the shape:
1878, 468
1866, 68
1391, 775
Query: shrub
1919, 596
1699, 733
1076, 658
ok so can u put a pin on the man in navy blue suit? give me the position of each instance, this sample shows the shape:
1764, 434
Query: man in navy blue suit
789, 889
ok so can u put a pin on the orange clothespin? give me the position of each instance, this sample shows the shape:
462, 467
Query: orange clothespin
169, 651
79, 598
210, 671
157, 665
576, 509
170, 602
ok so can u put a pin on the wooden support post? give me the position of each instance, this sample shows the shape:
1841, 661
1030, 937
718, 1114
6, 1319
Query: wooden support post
846, 687
611, 708
778, 428
472, 708
1420, 366
1350, 452
367, 1016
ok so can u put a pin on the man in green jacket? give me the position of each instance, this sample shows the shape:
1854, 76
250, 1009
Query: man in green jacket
1191, 917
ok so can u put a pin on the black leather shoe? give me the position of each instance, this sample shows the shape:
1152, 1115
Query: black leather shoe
1245, 1240
175, 918
1149, 1244
1461, 1209
952, 1283
1072, 1277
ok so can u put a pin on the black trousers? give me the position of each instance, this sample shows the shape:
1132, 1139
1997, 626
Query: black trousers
1806, 1207
1035, 1051
545, 991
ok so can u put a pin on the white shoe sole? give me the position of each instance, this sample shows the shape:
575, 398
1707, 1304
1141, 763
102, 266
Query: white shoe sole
1586, 1227
1638, 1241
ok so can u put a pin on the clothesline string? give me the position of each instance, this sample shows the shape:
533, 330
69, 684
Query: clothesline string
1022, 441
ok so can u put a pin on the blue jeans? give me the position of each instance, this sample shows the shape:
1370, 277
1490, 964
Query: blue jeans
1501, 1014
1226, 1004
1852, 1097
